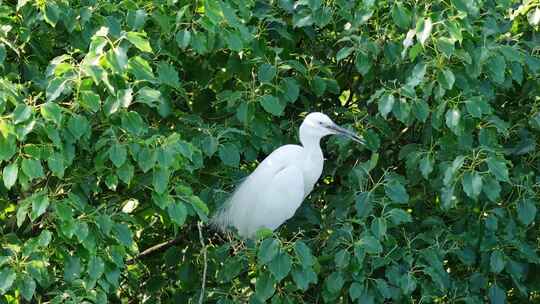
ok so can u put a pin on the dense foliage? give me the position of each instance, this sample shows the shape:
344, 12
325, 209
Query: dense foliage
124, 124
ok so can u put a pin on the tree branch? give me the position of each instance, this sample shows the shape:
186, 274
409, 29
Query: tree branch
154, 249
203, 284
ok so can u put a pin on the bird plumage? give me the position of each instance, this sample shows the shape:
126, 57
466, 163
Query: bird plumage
272, 193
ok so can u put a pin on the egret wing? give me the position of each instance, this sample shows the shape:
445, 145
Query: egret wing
248, 195
277, 202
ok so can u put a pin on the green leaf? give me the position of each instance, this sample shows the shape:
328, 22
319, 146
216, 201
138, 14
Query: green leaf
234, 41
491, 188
454, 29
53, 112
526, 211
290, 89
96, 267
168, 75
136, 19
280, 266
318, 85
72, 268
472, 184
271, 105
118, 154
209, 145
371, 245
407, 283
117, 59
126, 172
401, 16
386, 104
355, 290
420, 109
22, 211
398, 216
140, 41
266, 73
90, 101
303, 253
45, 238
21, 113
446, 79
141, 69
32, 168
78, 125
497, 261
302, 277
497, 66
362, 63
264, 287
160, 179
344, 53
402, 110
111, 181
177, 213
229, 14
396, 192
453, 117
200, 207
7, 277
133, 123
56, 164
496, 295
229, 154
149, 96
446, 45
8, 147
146, 159
81, 231
303, 21
9, 175
363, 204
477, 106
40, 202
2, 53
183, 38
123, 234
268, 250
334, 282
417, 75
343, 257
51, 13
28, 288
426, 165
378, 227
497, 167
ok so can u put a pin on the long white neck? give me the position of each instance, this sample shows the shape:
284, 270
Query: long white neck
310, 142
314, 158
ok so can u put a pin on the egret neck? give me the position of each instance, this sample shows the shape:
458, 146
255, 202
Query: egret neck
313, 158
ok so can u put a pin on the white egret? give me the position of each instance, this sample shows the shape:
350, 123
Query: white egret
272, 193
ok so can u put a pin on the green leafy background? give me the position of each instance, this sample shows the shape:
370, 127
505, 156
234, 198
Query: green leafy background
124, 124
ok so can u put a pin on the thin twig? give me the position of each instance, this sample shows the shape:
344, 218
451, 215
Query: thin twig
154, 249
203, 285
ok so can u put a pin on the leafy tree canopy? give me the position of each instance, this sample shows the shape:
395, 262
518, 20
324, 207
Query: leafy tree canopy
124, 124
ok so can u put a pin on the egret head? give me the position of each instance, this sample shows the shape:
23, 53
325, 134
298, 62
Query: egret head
317, 124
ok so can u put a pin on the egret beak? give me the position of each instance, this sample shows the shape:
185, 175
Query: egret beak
344, 132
